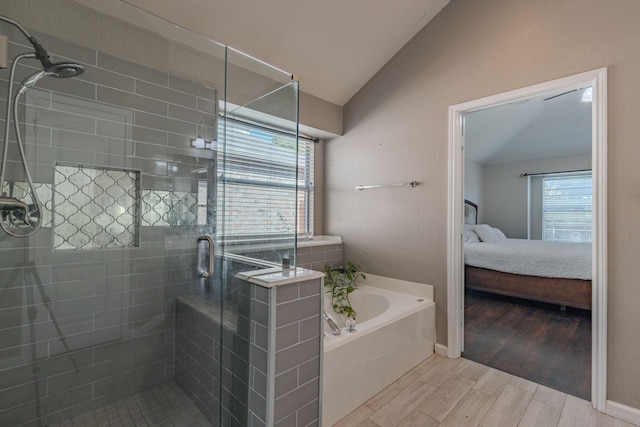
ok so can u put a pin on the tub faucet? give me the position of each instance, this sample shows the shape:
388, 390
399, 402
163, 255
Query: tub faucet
333, 324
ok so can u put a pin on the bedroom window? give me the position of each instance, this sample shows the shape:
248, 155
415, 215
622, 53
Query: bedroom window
261, 176
567, 207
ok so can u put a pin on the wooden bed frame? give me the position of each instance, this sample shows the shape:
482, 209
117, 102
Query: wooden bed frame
565, 292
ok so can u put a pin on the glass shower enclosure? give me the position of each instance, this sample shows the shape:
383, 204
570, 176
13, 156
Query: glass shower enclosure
122, 229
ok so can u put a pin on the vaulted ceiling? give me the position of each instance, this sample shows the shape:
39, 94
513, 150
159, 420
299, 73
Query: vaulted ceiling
334, 46
539, 128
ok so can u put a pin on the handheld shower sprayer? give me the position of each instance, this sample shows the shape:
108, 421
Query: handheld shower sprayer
12, 208
58, 70
30, 81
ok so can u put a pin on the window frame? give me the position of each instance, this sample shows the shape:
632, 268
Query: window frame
546, 212
303, 184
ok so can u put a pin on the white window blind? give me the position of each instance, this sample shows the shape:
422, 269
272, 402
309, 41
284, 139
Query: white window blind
266, 183
567, 208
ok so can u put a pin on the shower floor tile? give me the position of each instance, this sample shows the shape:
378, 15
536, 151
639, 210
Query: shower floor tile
164, 405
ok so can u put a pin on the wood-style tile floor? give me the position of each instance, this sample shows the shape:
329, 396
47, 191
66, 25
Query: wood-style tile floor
459, 393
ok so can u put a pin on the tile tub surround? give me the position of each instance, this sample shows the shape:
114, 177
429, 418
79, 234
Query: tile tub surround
115, 307
311, 254
315, 253
285, 348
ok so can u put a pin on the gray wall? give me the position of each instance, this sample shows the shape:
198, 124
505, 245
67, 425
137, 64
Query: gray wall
395, 129
319, 114
505, 201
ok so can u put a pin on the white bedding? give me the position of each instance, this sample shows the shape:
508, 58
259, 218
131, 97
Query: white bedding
542, 258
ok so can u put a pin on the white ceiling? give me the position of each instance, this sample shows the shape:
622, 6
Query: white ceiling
333, 46
529, 130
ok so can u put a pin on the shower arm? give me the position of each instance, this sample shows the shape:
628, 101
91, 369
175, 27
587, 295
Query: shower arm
41, 53
17, 25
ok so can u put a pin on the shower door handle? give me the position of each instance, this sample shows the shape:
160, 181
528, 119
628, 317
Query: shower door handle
205, 256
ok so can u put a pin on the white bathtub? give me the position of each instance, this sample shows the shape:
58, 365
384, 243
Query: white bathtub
395, 332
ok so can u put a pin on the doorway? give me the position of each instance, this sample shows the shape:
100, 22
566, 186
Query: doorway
455, 278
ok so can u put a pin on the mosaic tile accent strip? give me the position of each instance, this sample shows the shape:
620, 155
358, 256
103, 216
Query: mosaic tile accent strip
159, 208
169, 208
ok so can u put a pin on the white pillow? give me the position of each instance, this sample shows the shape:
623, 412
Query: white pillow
500, 234
486, 233
470, 236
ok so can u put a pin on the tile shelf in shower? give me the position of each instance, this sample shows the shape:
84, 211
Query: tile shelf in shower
212, 310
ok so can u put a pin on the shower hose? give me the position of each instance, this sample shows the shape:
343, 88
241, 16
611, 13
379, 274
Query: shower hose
13, 106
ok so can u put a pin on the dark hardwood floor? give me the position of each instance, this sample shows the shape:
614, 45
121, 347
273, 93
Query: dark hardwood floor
532, 340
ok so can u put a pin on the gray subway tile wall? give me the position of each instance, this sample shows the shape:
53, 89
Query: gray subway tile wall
203, 335
197, 337
258, 356
316, 257
298, 338
114, 308
127, 68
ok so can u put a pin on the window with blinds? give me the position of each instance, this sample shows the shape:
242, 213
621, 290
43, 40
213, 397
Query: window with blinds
567, 208
265, 184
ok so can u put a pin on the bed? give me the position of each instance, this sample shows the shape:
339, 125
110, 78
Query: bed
551, 272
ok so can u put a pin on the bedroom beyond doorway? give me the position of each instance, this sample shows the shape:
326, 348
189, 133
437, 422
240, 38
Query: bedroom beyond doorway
458, 147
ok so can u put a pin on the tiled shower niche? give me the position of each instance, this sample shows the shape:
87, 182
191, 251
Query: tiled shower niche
95, 208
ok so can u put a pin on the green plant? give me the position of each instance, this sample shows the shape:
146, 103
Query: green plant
340, 283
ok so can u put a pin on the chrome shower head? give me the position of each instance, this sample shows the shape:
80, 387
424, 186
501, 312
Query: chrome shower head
64, 69
59, 70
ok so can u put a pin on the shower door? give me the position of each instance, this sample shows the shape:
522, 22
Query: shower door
106, 311
125, 302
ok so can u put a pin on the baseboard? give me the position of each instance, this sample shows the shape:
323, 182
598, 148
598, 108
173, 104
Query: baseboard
623, 412
441, 350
